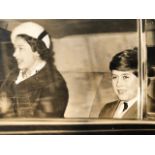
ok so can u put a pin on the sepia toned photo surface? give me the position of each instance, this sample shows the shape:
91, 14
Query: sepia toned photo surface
150, 47
76, 72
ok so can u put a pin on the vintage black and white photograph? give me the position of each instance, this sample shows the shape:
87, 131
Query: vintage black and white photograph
69, 76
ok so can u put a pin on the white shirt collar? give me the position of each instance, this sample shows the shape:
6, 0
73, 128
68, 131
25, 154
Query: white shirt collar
119, 112
32, 72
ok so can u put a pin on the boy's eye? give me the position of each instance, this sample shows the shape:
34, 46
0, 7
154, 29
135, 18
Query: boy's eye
114, 77
125, 77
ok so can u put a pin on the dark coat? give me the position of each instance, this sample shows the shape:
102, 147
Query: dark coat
109, 109
44, 94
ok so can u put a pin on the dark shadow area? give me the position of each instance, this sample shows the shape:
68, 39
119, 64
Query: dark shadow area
6, 49
64, 27
151, 55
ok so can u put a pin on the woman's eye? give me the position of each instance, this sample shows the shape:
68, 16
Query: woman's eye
20, 48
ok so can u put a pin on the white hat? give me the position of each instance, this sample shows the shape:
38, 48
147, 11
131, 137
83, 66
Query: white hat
31, 29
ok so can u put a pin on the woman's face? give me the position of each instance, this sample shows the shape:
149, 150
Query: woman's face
125, 84
23, 53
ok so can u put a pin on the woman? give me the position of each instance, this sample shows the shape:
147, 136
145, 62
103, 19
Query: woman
36, 88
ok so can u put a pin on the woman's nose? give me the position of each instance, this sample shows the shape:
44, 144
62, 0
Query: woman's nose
15, 54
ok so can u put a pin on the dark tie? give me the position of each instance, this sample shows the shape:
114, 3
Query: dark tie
125, 106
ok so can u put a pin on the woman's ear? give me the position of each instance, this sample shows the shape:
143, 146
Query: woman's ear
36, 54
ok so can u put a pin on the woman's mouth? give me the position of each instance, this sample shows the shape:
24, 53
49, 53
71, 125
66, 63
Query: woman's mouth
19, 62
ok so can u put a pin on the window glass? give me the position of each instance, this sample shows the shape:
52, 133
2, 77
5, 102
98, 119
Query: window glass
77, 83
150, 46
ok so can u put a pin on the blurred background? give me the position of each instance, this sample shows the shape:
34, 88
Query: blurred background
83, 49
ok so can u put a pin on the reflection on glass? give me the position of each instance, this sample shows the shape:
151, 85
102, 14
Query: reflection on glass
150, 45
83, 50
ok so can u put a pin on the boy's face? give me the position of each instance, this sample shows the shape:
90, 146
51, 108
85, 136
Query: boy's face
125, 84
